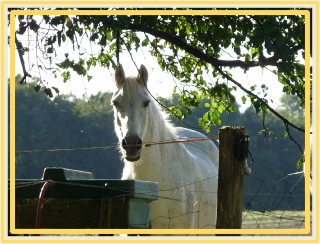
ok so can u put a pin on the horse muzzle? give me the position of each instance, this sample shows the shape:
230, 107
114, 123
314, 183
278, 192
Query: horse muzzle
132, 146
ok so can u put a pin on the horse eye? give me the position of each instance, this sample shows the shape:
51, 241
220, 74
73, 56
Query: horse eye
146, 104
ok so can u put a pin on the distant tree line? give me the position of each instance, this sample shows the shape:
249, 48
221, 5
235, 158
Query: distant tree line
67, 122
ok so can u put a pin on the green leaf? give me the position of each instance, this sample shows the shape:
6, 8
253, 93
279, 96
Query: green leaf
57, 20
56, 89
21, 30
255, 54
37, 88
64, 38
109, 35
20, 17
65, 76
237, 50
65, 64
252, 88
247, 57
301, 161
48, 92
50, 50
103, 41
79, 68
59, 38
33, 25
70, 35
188, 29
244, 99
145, 42
94, 36
174, 90
69, 23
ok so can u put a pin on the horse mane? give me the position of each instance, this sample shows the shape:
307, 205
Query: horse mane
158, 118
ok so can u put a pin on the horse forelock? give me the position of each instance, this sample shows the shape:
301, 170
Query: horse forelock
132, 88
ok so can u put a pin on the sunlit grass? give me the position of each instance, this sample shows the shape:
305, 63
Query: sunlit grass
279, 219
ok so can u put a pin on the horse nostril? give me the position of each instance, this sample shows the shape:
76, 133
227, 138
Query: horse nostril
131, 144
139, 144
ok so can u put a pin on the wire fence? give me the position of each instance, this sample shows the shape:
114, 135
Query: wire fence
266, 204
265, 207
273, 204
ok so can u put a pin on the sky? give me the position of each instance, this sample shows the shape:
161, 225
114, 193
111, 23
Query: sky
160, 82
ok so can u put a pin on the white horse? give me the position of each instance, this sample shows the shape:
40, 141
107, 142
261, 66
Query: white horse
187, 173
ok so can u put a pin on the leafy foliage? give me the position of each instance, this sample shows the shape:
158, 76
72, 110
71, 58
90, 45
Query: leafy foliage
187, 46
190, 47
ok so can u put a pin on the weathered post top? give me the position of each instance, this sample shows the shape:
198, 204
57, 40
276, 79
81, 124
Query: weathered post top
230, 180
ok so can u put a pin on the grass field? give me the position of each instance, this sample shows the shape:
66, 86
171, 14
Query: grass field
279, 219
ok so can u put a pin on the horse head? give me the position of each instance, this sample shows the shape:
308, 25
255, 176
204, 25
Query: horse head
131, 104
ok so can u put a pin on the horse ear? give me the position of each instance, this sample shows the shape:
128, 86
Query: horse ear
119, 76
143, 75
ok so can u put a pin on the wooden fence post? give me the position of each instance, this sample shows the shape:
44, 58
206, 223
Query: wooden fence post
230, 180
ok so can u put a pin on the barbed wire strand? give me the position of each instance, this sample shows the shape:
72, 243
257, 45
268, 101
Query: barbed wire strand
182, 140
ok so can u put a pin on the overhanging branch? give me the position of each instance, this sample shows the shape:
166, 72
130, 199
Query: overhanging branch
199, 54
285, 121
216, 63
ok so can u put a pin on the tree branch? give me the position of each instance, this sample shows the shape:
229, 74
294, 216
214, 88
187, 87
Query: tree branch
285, 121
217, 63
197, 53
19, 48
